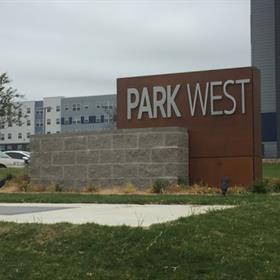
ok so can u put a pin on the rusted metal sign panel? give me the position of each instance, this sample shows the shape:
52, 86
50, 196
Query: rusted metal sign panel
221, 109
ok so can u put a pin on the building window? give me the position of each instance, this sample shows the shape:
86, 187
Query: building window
2, 126
10, 124
19, 135
98, 106
66, 107
28, 135
86, 107
19, 147
86, 119
28, 110
19, 112
57, 121
74, 107
58, 108
28, 122
49, 109
2, 137
9, 135
78, 107
58, 132
19, 123
39, 123
39, 112
9, 147
48, 121
48, 132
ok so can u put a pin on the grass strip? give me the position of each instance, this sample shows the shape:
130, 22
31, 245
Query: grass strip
238, 243
130, 199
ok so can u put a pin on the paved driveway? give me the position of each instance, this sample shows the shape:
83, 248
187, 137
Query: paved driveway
104, 214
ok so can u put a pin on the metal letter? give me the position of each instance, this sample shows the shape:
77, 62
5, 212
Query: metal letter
242, 82
158, 103
132, 105
229, 96
145, 108
171, 101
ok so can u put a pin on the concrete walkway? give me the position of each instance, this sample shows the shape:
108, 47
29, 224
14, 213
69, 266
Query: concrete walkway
103, 214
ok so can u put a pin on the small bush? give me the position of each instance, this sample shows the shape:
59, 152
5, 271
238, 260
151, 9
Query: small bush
274, 185
182, 181
58, 188
37, 188
260, 186
238, 190
175, 188
202, 189
129, 188
9, 176
53, 187
159, 186
90, 189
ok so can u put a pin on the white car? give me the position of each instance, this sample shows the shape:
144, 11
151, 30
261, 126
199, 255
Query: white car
23, 155
6, 161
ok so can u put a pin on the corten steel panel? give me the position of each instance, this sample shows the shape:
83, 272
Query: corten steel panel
233, 139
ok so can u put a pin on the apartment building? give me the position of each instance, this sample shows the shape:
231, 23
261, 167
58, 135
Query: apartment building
88, 113
52, 114
56, 115
17, 136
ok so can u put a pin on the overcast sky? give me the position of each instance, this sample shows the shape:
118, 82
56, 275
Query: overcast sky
77, 48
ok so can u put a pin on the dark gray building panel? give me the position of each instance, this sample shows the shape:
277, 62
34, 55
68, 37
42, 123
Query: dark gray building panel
265, 56
39, 120
277, 67
263, 49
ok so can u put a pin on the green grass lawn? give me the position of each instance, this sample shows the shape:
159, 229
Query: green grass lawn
271, 170
239, 243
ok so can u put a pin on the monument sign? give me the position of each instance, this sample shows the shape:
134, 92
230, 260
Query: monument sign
221, 109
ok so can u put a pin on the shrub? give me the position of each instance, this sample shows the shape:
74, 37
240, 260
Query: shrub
129, 187
159, 186
274, 185
182, 181
58, 188
260, 186
90, 189
202, 189
238, 190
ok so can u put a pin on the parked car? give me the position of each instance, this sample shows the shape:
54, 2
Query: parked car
23, 155
7, 161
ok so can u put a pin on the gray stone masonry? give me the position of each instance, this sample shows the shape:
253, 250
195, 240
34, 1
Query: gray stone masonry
110, 158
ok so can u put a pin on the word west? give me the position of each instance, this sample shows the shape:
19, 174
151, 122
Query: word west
162, 100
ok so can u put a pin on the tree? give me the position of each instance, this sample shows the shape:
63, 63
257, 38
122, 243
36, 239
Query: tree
9, 103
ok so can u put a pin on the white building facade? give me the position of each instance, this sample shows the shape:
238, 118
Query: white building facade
56, 115
52, 114
17, 136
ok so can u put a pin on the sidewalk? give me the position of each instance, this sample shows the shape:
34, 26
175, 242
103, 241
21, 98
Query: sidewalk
103, 214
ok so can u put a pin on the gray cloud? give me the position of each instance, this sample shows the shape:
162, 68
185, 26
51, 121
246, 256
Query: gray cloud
74, 48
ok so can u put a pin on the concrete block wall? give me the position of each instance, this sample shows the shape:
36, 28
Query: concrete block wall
110, 158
